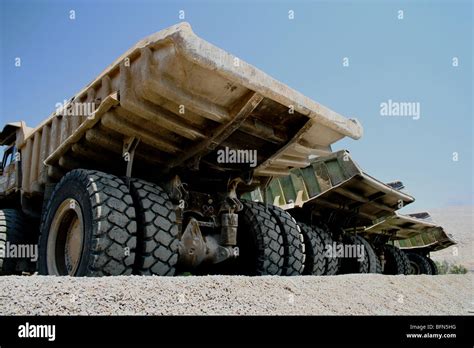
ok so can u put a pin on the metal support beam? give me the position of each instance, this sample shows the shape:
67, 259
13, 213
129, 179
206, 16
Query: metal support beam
222, 132
128, 153
362, 199
343, 208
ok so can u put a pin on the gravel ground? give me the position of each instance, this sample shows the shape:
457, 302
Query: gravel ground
459, 221
355, 294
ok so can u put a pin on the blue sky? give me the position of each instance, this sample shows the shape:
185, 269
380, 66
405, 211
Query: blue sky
406, 60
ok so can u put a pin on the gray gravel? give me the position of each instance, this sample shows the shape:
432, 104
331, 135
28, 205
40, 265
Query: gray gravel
223, 295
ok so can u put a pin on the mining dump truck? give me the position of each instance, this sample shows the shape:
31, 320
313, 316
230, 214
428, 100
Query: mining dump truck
417, 235
141, 171
338, 205
154, 167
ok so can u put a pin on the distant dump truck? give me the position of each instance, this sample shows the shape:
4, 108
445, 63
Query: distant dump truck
339, 203
143, 171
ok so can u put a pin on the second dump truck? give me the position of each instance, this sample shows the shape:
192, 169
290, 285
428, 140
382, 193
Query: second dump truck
338, 204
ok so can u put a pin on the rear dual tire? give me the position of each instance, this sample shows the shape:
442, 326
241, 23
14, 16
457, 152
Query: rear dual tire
434, 268
260, 242
419, 264
354, 263
94, 225
157, 238
293, 242
315, 263
396, 261
374, 265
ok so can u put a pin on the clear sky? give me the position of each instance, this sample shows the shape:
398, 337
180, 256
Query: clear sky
403, 60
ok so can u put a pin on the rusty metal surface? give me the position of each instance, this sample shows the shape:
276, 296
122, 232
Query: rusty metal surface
183, 98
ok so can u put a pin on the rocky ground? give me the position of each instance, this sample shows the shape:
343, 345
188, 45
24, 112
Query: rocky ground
355, 294
459, 221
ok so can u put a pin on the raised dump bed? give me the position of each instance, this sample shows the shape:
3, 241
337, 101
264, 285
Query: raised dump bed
141, 172
179, 99
413, 232
334, 187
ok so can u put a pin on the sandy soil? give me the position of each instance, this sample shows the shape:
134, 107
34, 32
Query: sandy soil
353, 294
459, 221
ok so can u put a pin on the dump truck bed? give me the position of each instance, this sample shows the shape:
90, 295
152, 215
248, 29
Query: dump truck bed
337, 184
413, 231
184, 99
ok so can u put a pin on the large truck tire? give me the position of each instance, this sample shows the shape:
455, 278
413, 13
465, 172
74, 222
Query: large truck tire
88, 227
396, 261
353, 263
332, 263
418, 263
157, 231
260, 242
374, 263
293, 242
315, 261
434, 268
14, 231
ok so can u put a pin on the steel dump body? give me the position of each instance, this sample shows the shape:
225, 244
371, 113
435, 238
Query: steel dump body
183, 99
337, 184
413, 231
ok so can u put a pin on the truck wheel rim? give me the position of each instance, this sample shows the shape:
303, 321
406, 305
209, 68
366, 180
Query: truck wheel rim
414, 269
66, 239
